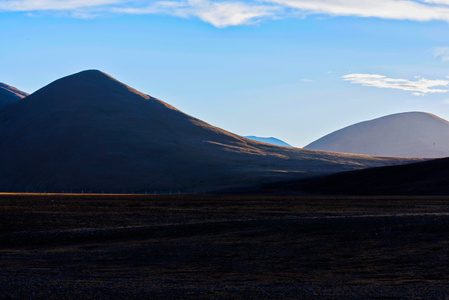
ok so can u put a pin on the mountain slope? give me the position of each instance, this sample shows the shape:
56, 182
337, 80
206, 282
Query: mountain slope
9, 94
423, 178
268, 140
88, 131
413, 134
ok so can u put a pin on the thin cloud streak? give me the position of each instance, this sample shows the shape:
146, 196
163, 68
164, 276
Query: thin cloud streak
419, 87
442, 52
385, 9
436, 1
43, 5
221, 13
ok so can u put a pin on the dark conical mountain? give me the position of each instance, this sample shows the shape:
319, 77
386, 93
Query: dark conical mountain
9, 94
411, 134
88, 131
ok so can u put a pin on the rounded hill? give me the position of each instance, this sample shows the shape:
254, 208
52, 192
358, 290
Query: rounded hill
411, 134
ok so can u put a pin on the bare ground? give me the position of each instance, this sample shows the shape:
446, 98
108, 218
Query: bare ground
217, 247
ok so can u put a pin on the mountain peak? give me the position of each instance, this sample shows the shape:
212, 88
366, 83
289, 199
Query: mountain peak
89, 86
91, 74
269, 140
94, 76
408, 134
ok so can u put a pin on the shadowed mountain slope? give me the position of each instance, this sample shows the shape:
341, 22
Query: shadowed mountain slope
9, 94
413, 134
423, 178
269, 140
88, 131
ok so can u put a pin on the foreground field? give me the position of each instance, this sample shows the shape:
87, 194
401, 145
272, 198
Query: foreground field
212, 247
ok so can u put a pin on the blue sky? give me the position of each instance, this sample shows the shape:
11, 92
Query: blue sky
293, 69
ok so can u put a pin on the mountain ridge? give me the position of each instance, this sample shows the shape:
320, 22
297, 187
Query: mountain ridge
88, 131
10, 94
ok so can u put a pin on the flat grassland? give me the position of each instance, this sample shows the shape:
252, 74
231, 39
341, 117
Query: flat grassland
223, 247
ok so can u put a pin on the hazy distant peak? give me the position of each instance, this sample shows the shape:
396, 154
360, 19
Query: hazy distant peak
409, 134
269, 140
413, 118
428, 115
410, 114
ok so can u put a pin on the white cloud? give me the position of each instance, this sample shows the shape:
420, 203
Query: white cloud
385, 9
306, 80
40, 5
419, 87
174, 8
437, 1
223, 13
220, 14
442, 52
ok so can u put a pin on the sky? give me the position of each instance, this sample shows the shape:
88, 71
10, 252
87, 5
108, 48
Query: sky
292, 69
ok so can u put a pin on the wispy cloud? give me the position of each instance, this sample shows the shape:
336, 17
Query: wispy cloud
442, 52
437, 1
42, 5
223, 13
306, 80
419, 87
220, 14
385, 9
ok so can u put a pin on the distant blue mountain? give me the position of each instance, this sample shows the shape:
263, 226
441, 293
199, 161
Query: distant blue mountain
269, 140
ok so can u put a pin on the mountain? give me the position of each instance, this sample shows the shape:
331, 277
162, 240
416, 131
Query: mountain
9, 94
423, 178
91, 132
268, 140
412, 134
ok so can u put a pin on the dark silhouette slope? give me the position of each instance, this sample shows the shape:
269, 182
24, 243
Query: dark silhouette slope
412, 134
9, 94
88, 132
423, 178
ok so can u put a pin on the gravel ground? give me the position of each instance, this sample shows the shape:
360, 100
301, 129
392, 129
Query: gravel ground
221, 247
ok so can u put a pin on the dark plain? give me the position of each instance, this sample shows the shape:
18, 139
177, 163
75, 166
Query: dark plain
223, 247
